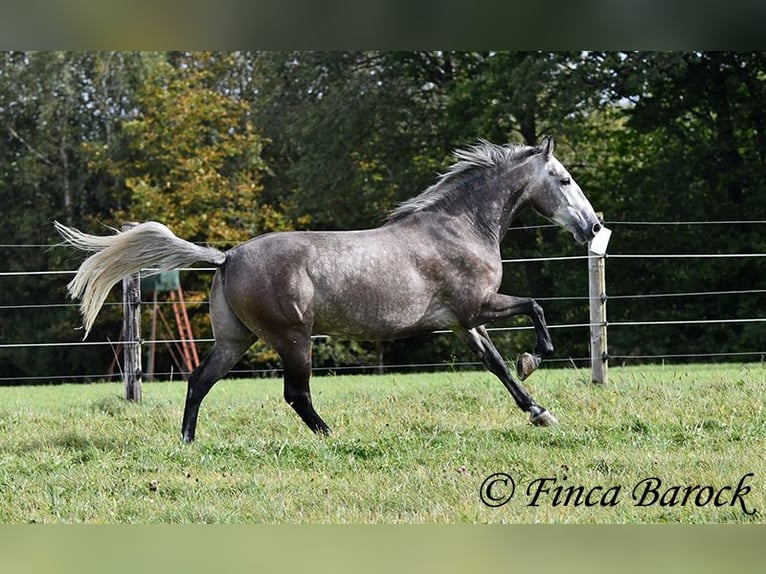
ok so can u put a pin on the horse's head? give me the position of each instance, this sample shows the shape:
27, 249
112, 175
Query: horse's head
555, 195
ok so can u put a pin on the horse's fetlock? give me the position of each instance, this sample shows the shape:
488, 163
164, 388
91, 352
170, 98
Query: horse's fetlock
297, 398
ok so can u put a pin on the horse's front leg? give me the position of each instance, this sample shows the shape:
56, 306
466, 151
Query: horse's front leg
479, 342
502, 306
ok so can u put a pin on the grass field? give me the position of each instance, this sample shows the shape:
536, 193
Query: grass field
406, 448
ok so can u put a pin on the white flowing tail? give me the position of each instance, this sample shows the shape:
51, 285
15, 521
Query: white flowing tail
148, 245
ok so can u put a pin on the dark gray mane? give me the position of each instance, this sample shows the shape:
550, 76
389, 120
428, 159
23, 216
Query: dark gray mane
483, 155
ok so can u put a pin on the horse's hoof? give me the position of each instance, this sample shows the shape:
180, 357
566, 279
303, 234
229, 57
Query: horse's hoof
542, 418
526, 364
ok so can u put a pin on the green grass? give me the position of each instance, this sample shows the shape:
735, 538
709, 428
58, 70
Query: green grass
405, 448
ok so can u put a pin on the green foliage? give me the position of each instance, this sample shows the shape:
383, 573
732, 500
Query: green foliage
405, 449
51, 104
193, 158
224, 146
694, 137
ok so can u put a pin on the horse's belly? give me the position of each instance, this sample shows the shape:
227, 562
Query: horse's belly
363, 315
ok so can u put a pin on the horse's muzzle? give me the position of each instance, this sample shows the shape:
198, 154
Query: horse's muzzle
588, 233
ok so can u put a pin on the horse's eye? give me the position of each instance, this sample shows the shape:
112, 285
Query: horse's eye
565, 181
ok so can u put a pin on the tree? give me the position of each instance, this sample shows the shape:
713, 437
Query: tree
695, 142
51, 103
192, 158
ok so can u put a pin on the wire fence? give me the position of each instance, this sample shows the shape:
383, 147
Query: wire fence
747, 354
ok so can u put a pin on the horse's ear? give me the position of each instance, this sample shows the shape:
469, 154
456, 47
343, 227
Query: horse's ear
547, 146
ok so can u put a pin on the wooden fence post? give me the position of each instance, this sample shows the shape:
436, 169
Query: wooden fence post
597, 301
131, 308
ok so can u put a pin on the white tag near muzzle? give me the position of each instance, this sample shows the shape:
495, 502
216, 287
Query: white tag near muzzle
598, 244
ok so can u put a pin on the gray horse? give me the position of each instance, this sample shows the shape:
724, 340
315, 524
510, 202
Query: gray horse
434, 264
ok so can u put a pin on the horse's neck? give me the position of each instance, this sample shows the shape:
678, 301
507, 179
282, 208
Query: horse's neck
484, 208
498, 208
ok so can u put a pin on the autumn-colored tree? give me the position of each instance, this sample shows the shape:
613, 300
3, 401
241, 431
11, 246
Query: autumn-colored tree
190, 158
193, 158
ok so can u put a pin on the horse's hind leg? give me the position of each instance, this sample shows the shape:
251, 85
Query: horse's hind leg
214, 367
232, 340
479, 342
295, 352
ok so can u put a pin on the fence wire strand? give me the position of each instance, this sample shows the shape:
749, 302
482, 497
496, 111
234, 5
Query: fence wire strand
349, 368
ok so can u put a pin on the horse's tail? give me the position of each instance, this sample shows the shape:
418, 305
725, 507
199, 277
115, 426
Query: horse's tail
148, 245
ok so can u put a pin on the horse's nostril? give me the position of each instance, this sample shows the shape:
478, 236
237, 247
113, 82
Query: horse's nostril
596, 228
